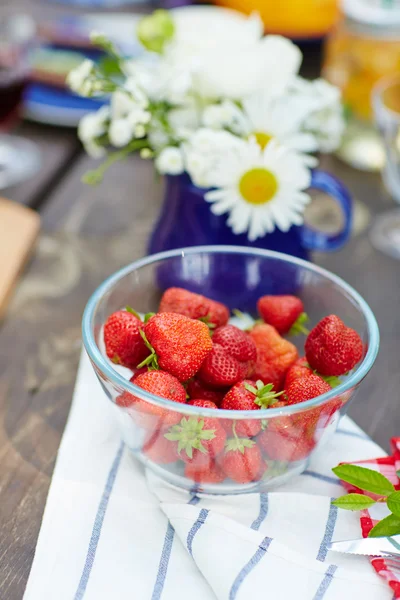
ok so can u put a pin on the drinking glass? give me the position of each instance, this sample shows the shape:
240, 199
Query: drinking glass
385, 232
19, 158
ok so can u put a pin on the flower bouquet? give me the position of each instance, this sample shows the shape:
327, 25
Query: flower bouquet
225, 106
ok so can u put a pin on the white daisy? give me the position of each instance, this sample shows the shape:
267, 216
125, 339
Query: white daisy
280, 118
260, 189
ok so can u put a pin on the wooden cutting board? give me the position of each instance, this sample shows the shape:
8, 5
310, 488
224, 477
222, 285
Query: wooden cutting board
19, 228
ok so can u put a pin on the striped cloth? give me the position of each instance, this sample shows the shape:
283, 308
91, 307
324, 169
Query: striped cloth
110, 531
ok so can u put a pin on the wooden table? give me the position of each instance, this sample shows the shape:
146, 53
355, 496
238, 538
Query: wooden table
87, 234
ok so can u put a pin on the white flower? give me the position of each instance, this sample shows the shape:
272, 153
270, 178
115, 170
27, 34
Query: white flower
120, 132
170, 161
91, 127
137, 93
260, 189
122, 104
326, 122
280, 118
229, 59
184, 121
80, 79
204, 152
225, 115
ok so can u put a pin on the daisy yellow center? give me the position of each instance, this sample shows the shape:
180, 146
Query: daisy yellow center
258, 186
262, 138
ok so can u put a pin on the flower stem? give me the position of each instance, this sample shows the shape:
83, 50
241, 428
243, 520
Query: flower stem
95, 176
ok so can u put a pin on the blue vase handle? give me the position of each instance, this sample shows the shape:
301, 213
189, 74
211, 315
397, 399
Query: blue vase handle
313, 239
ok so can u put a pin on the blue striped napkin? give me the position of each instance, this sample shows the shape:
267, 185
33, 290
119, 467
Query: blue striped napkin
111, 531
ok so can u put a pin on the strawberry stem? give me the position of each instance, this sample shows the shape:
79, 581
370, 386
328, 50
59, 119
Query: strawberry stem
207, 321
298, 326
151, 361
189, 434
264, 394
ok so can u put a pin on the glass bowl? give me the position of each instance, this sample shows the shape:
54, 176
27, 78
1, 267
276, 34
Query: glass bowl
282, 439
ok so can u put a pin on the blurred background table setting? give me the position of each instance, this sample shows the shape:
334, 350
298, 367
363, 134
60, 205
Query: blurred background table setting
125, 132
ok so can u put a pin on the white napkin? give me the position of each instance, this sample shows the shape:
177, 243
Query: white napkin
108, 532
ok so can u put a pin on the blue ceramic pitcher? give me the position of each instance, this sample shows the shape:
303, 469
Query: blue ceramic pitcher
186, 220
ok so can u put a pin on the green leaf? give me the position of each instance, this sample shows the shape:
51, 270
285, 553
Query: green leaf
109, 66
398, 473
298, 325
354, 502
365, 479
131, 310
332, 380
148, 316
388, 526
393, 502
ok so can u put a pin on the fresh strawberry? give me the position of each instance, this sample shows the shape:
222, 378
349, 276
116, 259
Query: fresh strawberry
305, 388
202, 403
159, 449
195, 306
137, 372
247, 395
298, 370
236, 342
199, 440
285, 313
220, 369
332, 348
242, 460
274, 355
283, 447
211, 474
178, 344
151, 416
197, 389
122, 339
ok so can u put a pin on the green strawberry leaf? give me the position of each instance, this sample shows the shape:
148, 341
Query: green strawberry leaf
388, 526
131, 310
393, 502
353, 502
332, 380
398, 473
148, 316
240, 444
365, 479
250, 388
298, 326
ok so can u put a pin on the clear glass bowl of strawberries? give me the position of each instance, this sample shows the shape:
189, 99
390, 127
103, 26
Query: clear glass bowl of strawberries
228, 367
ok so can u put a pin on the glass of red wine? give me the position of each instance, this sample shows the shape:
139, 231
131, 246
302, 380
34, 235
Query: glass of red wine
19, 158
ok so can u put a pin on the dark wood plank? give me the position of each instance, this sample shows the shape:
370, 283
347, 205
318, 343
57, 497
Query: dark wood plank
58, 149
99, 230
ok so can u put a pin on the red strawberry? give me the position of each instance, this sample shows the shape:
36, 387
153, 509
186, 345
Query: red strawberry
197, 389
242, 460
305, 388
122, 339
220, 369
159, 449
285, 448
138, 372
179, 344
274, 355
195, 306
152, 416
199, 440
285, 313
332, 348
247, 395
299, 369
236, 342
203, 403
211, 474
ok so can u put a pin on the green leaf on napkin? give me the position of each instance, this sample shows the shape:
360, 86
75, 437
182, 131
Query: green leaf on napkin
388, 526
354, 502
393, 502
365, 479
